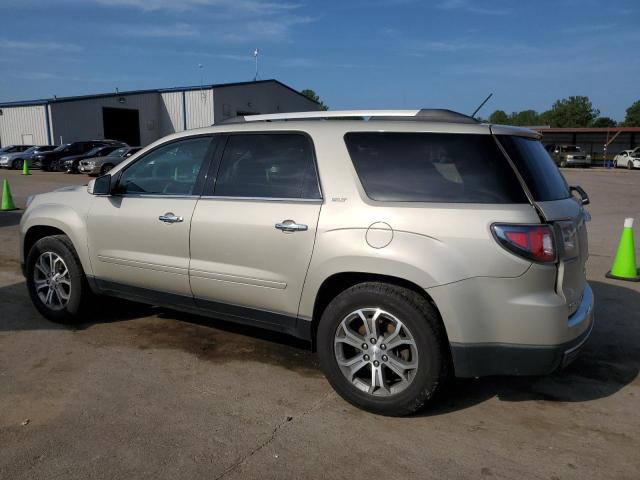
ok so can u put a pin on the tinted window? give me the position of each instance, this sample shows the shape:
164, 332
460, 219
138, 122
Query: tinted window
433, 167
170, 170
536, 167
268, 166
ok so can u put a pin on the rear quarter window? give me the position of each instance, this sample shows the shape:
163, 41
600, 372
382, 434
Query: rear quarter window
540, 173
433, 167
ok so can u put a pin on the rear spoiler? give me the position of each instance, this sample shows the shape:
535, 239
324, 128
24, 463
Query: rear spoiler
516, 131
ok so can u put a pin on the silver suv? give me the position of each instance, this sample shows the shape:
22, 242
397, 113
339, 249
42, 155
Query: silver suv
404, 245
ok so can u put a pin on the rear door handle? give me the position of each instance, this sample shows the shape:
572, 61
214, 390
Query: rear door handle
291, 226
169, 217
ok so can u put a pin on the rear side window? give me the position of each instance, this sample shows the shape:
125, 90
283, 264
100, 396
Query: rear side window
433, 167
268, 166
544, 180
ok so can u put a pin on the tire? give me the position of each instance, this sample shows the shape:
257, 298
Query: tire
17, 164
420, 325
615, 164
78, 291
630, 165
105, 168
563, 163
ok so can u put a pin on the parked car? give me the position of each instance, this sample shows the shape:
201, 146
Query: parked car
70, 164
569, 155
628, 159
14, 148
44, 160
402, 250
101, 165
16, 160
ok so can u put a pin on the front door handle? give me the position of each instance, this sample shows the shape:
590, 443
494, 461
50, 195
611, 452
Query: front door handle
169, 217
291, 226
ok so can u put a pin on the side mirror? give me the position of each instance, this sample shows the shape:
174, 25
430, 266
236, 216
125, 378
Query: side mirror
100, 186
584, 198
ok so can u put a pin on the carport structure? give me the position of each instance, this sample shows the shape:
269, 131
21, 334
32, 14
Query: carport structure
598, 142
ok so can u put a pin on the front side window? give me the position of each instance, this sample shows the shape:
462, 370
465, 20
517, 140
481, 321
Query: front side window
168, 170
433, 167
268, 166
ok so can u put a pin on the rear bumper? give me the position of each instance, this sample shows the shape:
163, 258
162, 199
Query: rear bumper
479, 360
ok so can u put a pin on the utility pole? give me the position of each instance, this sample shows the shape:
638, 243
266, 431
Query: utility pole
256, 52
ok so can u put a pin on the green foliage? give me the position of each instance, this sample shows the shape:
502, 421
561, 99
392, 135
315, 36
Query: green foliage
499, 117
525, 118
632, 119
312, 95
602, 122
575, 111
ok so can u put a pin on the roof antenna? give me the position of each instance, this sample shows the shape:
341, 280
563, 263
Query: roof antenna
473, 115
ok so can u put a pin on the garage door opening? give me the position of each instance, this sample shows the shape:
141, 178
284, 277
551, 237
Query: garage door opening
121, 124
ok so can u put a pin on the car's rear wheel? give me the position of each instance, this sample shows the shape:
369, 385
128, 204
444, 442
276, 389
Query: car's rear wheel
105, 168
56, 281
382, 348
630, 165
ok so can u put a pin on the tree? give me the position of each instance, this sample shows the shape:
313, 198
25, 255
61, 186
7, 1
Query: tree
525, 118
312, 95
602, 122
570, 112
499, 117
632, 119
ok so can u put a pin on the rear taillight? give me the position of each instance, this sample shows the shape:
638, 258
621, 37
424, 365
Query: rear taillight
533, 242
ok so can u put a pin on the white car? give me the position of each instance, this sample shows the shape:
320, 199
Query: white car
628, 158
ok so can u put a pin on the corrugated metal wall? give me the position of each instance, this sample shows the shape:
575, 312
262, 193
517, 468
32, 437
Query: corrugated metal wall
82, 119
199, 108
23, 125
171, 114
258, 98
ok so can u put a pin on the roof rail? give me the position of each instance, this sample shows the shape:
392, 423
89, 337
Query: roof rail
429, 115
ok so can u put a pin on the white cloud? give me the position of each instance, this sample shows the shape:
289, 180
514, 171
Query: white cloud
161, 31
473, 6
31, 46
249, 6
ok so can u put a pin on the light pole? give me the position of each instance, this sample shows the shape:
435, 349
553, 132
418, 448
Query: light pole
256, 52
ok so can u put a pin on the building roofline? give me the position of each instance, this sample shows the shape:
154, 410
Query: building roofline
47, 101
544, 130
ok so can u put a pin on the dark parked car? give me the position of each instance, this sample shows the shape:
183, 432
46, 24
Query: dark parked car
70, 164
45, 160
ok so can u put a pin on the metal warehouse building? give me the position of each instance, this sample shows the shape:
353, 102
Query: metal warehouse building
143, 116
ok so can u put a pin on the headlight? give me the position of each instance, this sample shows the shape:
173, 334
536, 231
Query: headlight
4, 157
90, 164
569, 157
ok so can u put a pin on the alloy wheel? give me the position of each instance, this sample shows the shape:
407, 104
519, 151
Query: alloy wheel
52, 280
376, 352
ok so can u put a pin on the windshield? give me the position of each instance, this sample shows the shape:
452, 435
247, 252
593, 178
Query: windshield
571, 148
62, 148
118, 152
94, 151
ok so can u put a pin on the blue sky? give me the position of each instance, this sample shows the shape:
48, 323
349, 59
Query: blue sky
354, 54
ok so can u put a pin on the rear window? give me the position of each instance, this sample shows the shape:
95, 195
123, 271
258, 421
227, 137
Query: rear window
544, 180
433, 167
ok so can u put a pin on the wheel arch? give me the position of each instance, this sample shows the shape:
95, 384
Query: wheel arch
49, 219
341, 281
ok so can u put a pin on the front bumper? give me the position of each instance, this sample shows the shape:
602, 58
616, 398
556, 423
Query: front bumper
90, 169
480, 360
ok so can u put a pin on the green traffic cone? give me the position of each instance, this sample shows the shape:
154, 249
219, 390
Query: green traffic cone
25, 167
7, 201
624, 264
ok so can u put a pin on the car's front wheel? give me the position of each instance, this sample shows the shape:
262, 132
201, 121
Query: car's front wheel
17, 164
56, 281
382, 348
630, 165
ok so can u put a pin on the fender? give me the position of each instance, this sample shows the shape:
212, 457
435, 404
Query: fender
64, 218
